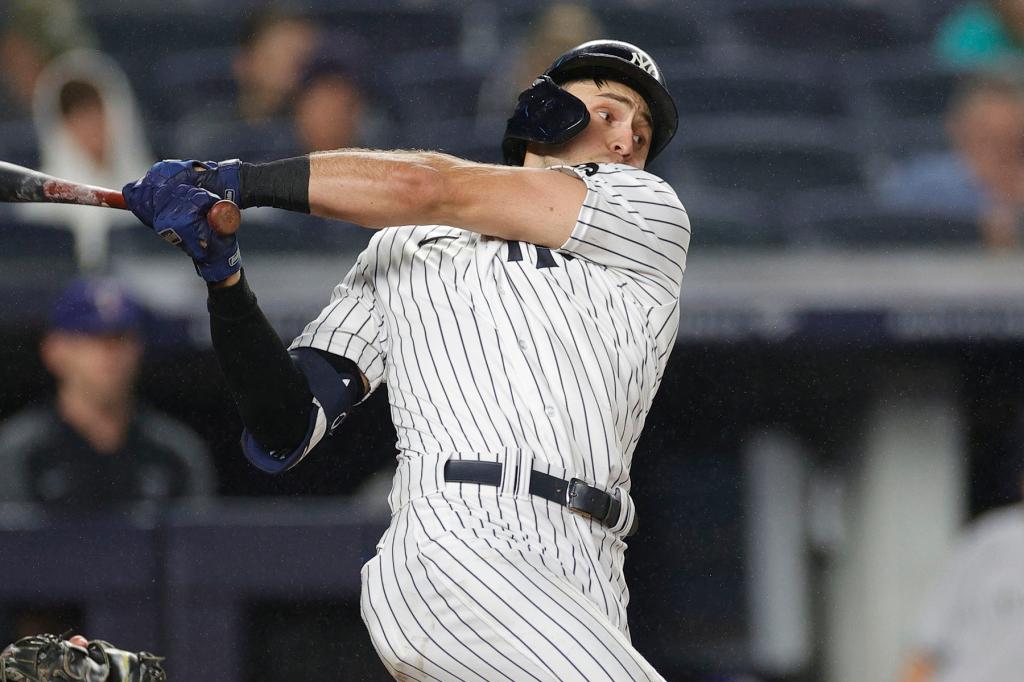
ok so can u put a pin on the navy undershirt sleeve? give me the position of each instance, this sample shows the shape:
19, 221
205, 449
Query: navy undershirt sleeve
272, 395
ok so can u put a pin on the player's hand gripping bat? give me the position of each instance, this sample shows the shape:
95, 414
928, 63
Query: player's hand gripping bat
24, 185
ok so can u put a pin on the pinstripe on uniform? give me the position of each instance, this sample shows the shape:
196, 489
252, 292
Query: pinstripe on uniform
542, 360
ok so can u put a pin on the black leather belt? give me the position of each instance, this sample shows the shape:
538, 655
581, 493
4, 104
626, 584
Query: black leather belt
575, 494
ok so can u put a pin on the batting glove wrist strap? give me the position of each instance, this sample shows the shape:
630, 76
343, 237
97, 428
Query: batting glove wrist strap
281, 184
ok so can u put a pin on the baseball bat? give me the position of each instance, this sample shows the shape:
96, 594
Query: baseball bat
24, 185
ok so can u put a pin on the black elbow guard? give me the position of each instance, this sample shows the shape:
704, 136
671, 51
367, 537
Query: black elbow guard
336, 384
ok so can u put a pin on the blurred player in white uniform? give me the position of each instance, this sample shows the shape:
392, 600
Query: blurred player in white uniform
972, 626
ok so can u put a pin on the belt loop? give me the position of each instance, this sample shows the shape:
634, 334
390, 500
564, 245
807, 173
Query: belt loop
524, 464
626, 523
509, 471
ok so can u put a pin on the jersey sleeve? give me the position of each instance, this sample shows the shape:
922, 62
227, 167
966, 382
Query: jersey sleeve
633, 222
350, 325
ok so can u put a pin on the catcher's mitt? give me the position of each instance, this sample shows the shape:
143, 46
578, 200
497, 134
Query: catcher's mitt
43, 658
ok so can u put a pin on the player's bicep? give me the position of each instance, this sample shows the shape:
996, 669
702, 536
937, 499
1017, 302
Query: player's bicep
535, 205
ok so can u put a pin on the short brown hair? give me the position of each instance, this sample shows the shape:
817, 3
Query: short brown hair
76, 94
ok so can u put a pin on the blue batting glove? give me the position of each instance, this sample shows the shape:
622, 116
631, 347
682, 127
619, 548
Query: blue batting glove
180, 219
222, 179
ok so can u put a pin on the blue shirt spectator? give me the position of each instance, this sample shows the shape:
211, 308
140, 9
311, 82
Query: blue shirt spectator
982, 174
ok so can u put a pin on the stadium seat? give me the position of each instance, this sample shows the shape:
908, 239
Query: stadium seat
203, 73
465, 136
902, 99
767, 154
226, 139
395, 27
18, 143
433, 85
723, 218
47, 246
656, 27
819, 26
140, 39
908, 85
851, 218
751, 86
282, 232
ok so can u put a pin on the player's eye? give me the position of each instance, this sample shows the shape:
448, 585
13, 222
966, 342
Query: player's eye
639, 140
606, 115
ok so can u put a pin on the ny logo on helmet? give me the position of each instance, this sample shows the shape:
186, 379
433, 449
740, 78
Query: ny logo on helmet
645, 63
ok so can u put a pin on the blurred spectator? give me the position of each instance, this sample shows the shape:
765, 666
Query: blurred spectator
332, 110
333, 97
559, 28
972, 627
90, 131
33, 33
982, 35
982, 176
267, 68
96, 446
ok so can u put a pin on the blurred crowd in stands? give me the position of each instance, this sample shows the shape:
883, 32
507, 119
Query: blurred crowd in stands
804, 123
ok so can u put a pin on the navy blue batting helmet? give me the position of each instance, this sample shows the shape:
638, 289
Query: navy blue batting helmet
548, 114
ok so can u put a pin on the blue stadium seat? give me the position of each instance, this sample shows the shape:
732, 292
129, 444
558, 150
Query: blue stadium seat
281, 232
395, 27
730, 218
784, 86
902, 99
852, 218
433, 85
218, 139
43, 245
140, 39
767, 154
823, 27
18, 143
267, 232
139, 240
655, 27
203, 75
465, 136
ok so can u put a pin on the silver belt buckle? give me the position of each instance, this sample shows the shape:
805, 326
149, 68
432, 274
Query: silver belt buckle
570, 497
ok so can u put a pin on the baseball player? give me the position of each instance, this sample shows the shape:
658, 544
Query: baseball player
521, 316
972, 626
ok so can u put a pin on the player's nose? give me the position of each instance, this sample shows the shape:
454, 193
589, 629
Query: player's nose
621, 143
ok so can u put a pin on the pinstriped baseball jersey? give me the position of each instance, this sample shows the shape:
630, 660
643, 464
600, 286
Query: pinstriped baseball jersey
541, 359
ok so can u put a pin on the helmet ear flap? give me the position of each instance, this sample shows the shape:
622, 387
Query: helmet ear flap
545, 113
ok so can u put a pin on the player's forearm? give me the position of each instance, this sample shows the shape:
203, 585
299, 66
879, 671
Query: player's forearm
379, 188
385, 188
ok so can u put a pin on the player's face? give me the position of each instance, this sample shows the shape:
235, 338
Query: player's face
620, 125
100, 368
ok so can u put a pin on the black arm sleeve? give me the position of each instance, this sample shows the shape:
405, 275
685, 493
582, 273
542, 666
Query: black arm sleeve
272, 395
281, 184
